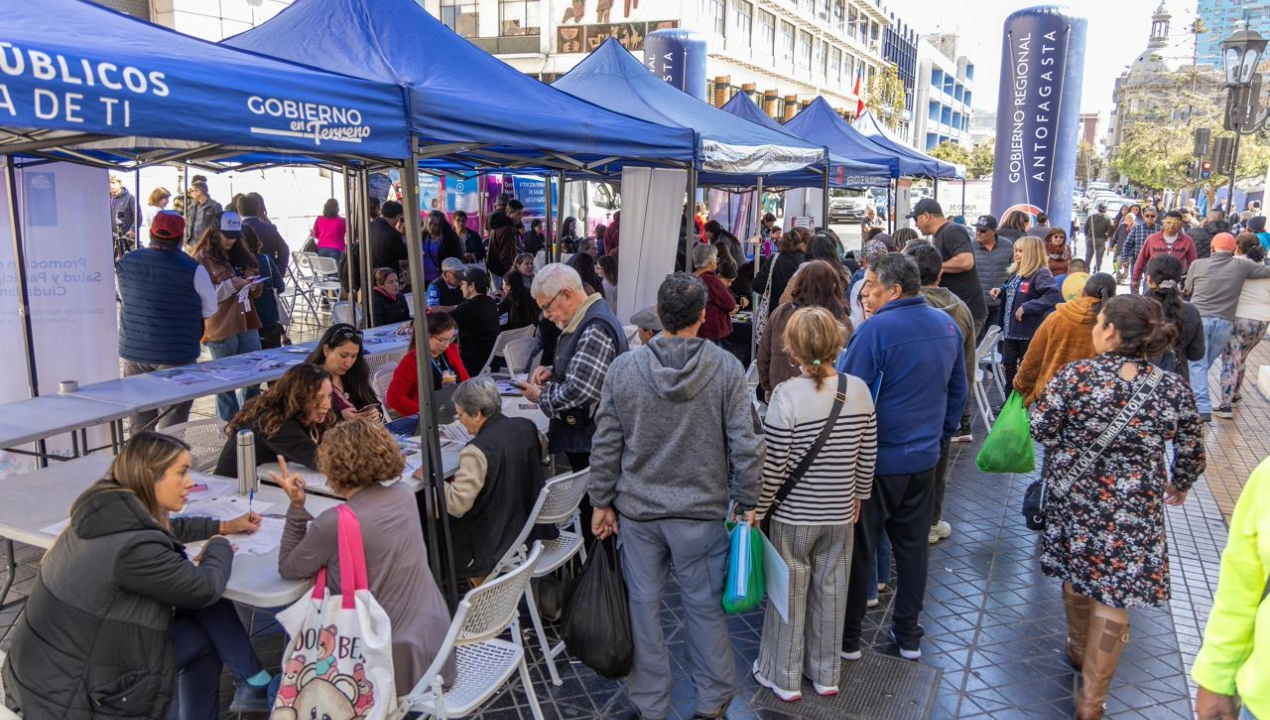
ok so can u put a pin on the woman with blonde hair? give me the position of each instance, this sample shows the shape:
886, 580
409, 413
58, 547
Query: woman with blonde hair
155, 204
821, 434
119, 616
358, 457
1029, 295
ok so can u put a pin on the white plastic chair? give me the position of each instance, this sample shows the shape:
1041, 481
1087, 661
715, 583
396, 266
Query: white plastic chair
631, 332
484, 662
981, 397
988, 356
205, 437
557, 505
521, 356
381, 380
501, 341
342, 311
384, 359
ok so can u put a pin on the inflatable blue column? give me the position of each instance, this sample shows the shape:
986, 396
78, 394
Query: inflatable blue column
678, 56
1038, 113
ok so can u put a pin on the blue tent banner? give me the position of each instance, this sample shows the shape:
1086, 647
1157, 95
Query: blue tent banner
71, 65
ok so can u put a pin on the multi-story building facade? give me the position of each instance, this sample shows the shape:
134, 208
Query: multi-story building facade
1218, 19
899, 47
783, 52
941, 111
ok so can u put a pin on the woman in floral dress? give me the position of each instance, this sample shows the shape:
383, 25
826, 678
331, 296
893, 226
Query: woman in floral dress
1104, 538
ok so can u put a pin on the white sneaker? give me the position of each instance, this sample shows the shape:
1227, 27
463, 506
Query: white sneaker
784, 695
963, 437
851, 655
906, 654
939, 531
823, 690
871, 603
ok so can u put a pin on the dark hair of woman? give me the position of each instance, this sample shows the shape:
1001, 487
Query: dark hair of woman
1256, 253
1140, 321
1100, 286
1245, 241
448, 236
238, 256
382, 274
794, 240
252, 240
902, 236
331, 208
1164, 272
823, 247
585, 265
292, 397
1016, 220
768, 217
569, 230
356, 380
712, 228
1055, 231
726, 269
820, 284
608, 263
873, 232
440, 321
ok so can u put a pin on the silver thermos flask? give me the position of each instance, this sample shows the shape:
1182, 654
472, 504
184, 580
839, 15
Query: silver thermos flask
246, 462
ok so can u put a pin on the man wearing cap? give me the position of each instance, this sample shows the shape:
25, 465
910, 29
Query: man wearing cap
164, 296
477, 318
446, 290
993, 255
959, 275
647, 325
1097, 232
1213, 285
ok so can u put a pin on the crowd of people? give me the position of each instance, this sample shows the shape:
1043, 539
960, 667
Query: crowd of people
864, 365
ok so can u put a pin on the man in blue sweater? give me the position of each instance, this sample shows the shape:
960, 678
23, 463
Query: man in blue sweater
910, 354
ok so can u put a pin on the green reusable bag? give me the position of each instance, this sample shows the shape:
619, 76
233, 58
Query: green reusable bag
1008, 447
745, 583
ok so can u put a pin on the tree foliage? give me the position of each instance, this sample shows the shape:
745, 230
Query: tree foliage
982, 157
886, 97
952, 152
1155, 155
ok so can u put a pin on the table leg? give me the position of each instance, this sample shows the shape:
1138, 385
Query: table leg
11, 569
74, 443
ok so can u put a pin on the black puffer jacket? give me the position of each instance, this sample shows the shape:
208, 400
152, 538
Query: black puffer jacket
95, 640
1202, 236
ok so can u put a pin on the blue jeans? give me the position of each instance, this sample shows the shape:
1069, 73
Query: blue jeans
1216, 333
1246, 714
881, 567
204, 640
227, 403
331, 253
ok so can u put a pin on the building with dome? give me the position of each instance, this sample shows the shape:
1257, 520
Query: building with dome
1160, 87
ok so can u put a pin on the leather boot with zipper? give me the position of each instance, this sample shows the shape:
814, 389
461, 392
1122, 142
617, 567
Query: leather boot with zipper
1078, 609
1107, 639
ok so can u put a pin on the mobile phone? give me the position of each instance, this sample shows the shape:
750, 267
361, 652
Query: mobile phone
372, 406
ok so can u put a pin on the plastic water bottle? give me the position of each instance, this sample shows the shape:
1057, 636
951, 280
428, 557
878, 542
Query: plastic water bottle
448, 378
247, 480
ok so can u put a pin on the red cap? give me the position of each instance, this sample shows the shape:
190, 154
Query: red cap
167, 226
1224, 242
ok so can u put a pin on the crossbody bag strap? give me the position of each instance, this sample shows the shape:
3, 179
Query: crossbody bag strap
1114, 428
805, 463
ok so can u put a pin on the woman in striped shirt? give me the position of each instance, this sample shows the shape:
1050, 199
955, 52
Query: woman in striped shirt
812, 528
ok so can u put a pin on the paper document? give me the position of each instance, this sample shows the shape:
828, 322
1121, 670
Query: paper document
262, 542
222, 508
455, 433
776, 572
244, 297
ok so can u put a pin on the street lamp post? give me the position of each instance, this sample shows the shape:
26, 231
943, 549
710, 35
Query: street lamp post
1242, 54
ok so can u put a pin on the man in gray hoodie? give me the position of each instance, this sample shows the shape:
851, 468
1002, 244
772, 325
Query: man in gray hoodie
676, 439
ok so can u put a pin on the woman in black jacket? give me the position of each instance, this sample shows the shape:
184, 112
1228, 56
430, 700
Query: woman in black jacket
517, 302
387, 303
287, 420
793, 246
1164, 283
100, 637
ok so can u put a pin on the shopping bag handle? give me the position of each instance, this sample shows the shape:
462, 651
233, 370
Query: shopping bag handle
353, 576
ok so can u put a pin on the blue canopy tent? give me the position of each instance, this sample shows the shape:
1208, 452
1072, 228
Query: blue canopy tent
464, 105
872, 129
76, 72
819, 122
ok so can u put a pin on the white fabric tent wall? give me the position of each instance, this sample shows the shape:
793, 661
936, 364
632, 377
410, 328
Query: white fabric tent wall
804, 202
652, 207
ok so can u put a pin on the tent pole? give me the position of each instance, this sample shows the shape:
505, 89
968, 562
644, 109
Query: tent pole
136, 209
824, 202
890, 209
758, 258
551, 223
690, 226
19, 261
350, 232
434, 494
362, 193
963, 198
558, 245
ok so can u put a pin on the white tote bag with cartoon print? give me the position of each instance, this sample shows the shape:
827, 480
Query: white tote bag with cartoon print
338, 663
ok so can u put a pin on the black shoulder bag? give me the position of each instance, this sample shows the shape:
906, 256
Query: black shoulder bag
805, 464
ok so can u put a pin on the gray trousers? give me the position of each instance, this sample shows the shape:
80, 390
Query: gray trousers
697, 551
819, 559
146, 420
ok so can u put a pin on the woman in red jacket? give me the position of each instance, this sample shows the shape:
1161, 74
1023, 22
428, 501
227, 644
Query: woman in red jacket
403, 392
719, 304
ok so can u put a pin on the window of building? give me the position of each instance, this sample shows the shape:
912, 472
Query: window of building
716, 10
744, 18
967, 98
932, 140
787, 41
822, 9
518, 17
461, 16
839, 14
835, 65
933, 113
807, 6
804, 50
818, 56
853, 22
970, 71
848, 69
766, 33
875, 30
936, 78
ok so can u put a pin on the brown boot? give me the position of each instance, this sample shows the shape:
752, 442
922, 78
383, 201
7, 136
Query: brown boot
1106, 643
1078, 608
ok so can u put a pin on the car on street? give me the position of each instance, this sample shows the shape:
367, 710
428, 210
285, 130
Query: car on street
848, 204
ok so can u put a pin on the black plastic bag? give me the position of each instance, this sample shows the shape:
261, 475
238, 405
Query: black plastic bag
597, 623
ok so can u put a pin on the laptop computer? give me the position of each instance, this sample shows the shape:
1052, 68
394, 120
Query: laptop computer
443, 399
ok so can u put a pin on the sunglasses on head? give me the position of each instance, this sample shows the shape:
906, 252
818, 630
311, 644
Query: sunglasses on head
347, 333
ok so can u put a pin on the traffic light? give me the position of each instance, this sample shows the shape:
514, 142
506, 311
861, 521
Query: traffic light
1206, 169
1224, 154
1203, 137
1192, 171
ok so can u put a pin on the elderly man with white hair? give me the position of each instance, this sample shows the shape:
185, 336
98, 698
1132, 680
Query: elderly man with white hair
591, 337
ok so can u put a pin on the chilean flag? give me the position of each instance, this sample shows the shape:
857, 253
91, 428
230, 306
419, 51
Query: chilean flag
859, 103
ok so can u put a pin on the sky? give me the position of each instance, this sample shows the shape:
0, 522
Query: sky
1118, 33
